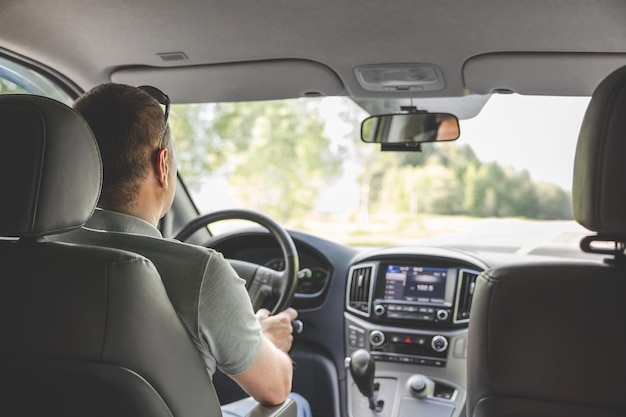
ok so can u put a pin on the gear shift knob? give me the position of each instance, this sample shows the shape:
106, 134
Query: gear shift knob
362, 368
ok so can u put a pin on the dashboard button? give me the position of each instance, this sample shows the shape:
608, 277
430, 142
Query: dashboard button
439, 344
421, 341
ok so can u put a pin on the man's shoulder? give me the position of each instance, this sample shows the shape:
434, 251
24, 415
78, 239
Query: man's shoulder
137, 243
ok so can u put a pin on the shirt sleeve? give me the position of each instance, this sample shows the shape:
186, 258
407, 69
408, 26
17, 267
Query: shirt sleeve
227, 324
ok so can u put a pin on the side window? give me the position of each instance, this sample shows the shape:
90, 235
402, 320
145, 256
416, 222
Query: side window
18, 79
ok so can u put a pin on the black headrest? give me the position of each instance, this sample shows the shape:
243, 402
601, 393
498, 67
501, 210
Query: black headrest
50, 166
599, 189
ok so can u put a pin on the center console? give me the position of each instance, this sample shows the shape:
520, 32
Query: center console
410, 314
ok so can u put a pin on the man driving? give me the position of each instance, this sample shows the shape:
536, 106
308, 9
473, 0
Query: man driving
139, 182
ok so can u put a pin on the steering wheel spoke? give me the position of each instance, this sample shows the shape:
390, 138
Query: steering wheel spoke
265, 285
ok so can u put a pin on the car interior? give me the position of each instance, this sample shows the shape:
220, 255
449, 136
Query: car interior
393, 320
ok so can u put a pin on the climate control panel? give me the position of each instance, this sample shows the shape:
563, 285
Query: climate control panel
401, 347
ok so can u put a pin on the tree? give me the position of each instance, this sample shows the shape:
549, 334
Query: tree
7, 87
200, 151
553, 202
281, 156
449, 179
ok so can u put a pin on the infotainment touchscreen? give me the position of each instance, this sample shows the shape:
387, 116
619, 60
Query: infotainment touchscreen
416, 284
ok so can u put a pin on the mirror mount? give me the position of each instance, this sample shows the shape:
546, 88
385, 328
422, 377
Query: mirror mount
412, 110
401, 147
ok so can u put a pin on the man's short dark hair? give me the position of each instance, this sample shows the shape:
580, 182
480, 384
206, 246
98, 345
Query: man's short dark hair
127, 123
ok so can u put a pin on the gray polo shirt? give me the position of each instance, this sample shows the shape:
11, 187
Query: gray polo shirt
209, 297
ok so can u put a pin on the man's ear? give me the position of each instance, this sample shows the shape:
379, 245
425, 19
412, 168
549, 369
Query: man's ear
162, 167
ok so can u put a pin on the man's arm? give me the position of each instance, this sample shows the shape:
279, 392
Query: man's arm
268, 379
249, 348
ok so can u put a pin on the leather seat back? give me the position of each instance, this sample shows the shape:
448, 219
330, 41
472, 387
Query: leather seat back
84, 330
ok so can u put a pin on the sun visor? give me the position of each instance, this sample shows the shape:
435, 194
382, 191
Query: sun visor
567, 74
245, 81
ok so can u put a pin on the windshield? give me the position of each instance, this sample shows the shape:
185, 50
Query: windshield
504, 185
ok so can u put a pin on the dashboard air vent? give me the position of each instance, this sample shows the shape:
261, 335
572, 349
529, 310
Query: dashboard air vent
465, 292
360, 282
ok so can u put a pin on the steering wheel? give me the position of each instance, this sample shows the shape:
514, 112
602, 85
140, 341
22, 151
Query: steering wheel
263, 283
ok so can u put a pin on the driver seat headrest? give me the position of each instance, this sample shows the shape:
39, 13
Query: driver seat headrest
51, 166
599, 188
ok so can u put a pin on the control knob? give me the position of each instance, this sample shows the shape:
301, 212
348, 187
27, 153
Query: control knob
379, 309
377, 338
439, 344
442, 315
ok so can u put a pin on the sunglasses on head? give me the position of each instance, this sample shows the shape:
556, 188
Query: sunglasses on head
163, 99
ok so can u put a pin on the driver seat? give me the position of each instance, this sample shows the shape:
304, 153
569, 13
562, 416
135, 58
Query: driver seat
85, 331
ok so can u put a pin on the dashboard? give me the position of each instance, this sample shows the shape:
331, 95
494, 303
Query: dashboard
262, 249
407, 307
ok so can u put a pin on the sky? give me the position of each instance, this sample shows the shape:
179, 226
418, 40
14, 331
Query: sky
528, 132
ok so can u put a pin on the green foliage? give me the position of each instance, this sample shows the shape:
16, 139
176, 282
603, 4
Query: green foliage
449, 179
275, 154
7, 87
199, 150
553, 202
288, 159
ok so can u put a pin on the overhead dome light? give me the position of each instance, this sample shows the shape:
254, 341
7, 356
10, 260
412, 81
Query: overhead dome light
400, 77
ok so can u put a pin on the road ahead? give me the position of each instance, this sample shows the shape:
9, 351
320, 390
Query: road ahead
557, 238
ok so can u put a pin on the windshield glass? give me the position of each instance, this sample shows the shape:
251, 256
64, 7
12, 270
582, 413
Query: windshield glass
504, 185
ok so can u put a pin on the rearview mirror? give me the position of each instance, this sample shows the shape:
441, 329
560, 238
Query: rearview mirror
410, 128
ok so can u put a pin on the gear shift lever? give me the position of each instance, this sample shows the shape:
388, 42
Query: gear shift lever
362, 367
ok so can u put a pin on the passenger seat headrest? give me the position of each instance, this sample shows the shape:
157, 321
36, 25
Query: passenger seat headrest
50, 167
599, 189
